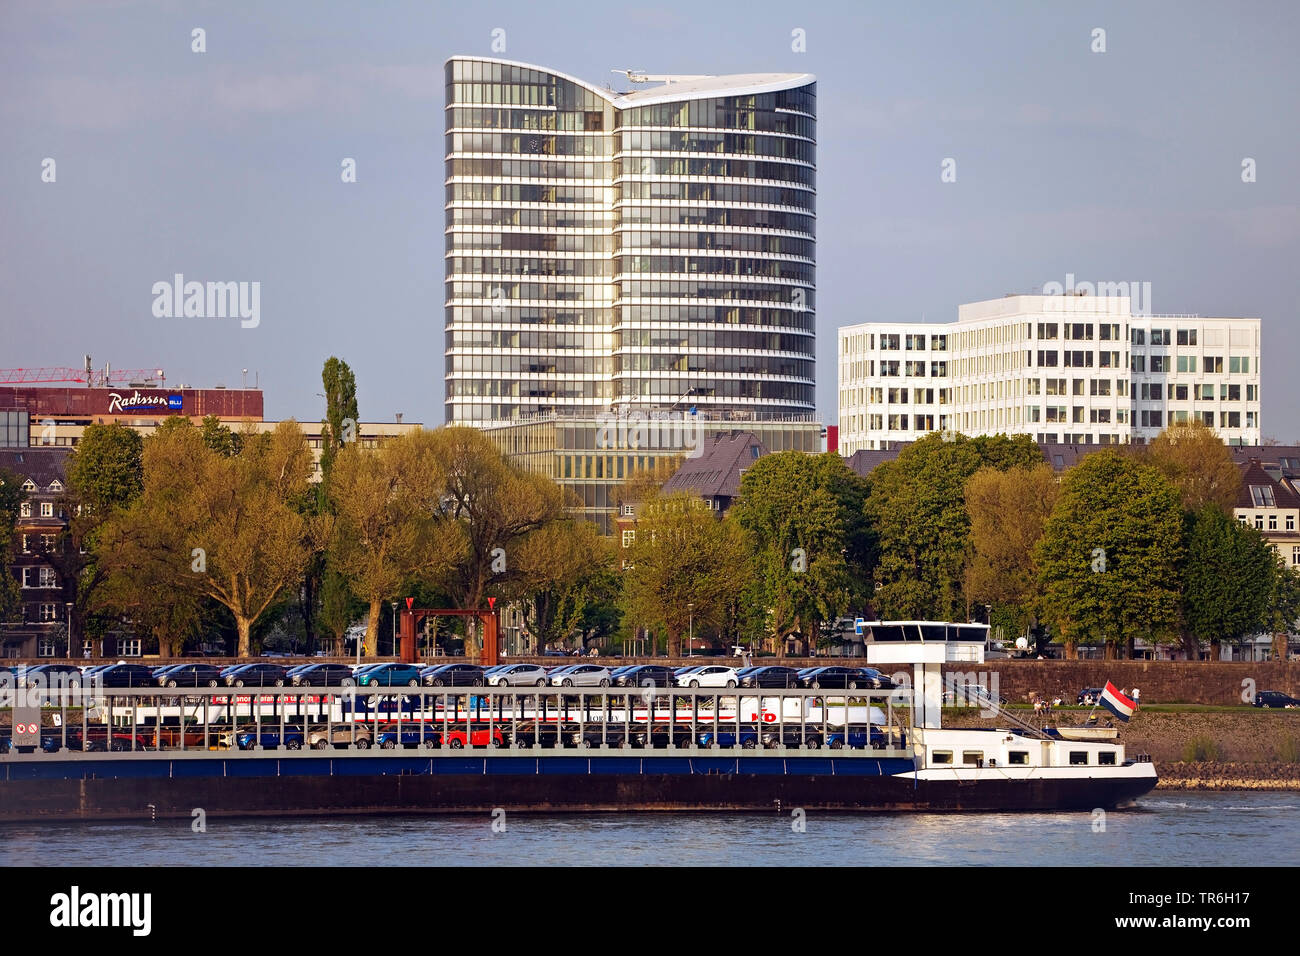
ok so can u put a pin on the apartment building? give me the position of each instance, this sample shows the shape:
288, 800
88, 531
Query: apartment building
1068, 369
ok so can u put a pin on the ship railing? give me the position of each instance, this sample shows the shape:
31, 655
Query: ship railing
873, 723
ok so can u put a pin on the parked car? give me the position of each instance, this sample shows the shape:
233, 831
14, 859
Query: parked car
1273, 698
97, 737
190, 675
662, 734
339, 735
644, 675
1089, 696
270, 738
835, 676
256, 675
856, 737
772, 675
54, 675
452, 675
125, 675
809, 736
544, 733
746, 735
582, 675
412, 733
710, 675
876, 679
517, 675
457, 739
171, 734
595, 735
323, 675
390, 675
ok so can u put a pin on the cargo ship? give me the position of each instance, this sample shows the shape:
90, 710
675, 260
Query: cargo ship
156, 753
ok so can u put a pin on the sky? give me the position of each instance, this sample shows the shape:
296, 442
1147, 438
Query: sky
225, 165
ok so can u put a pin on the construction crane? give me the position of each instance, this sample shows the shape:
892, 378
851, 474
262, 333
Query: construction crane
87, 376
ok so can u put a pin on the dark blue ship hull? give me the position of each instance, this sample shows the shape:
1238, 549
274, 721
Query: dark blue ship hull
134, 787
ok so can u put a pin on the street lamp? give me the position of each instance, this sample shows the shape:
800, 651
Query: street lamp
69, 603
690, 641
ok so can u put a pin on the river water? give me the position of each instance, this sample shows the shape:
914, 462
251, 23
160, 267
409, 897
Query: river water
1165, 829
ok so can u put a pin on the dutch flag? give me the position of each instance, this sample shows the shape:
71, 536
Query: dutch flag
1119, 705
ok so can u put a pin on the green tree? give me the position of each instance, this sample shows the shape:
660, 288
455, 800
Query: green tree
228, 529
341, 414
493, 505
11, 498
220, 438
105, 476
811, 539
1110, 554
386, 528
564, 577
1008, 510
917, 505
1227, 579
684, 567
1199, 464
1282, 609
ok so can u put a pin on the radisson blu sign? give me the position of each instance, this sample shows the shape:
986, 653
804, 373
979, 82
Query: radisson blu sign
144, 401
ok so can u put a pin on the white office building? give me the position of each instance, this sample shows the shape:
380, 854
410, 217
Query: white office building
1062, 368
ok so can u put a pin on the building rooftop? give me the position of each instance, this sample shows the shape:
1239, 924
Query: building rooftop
716, 473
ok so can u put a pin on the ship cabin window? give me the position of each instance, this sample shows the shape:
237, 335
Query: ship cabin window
1078, 757
1018, 756
973, 758
1107, 758
941, 756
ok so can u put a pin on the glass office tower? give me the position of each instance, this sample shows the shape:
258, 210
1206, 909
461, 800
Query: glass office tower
650, 249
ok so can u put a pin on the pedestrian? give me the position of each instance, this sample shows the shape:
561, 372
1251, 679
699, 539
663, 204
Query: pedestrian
1136, 694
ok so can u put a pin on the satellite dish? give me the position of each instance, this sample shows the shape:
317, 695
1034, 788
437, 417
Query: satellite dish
1022, 643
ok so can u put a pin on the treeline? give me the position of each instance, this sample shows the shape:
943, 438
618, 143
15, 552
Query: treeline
199, 530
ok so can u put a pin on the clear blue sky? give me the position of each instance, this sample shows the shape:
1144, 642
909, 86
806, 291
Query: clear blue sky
1123, 165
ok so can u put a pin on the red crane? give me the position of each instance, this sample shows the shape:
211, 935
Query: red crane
80, 376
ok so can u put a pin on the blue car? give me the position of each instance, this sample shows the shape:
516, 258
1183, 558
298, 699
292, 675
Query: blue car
748, 737
411, 735
390, 675
270, 738
857, 738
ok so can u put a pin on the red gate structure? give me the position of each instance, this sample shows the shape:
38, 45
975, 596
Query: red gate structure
412, 617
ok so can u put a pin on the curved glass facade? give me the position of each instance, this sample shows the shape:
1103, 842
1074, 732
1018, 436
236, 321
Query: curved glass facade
605, 253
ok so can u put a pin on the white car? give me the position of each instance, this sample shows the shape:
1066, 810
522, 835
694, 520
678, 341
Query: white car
710, 675
507, 675
582, 675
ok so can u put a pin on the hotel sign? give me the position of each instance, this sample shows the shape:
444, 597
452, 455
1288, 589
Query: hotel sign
123, 402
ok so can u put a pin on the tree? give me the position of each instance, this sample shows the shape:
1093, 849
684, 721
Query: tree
341, 414
1199, 464
492, 504
1110, 554
685, 565
225, 528
917, 505
812, 543
1008, 510
220, 438
564, 576
105, 475
11, 498
1227, 579
1282, 609
386, 530
320, 586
